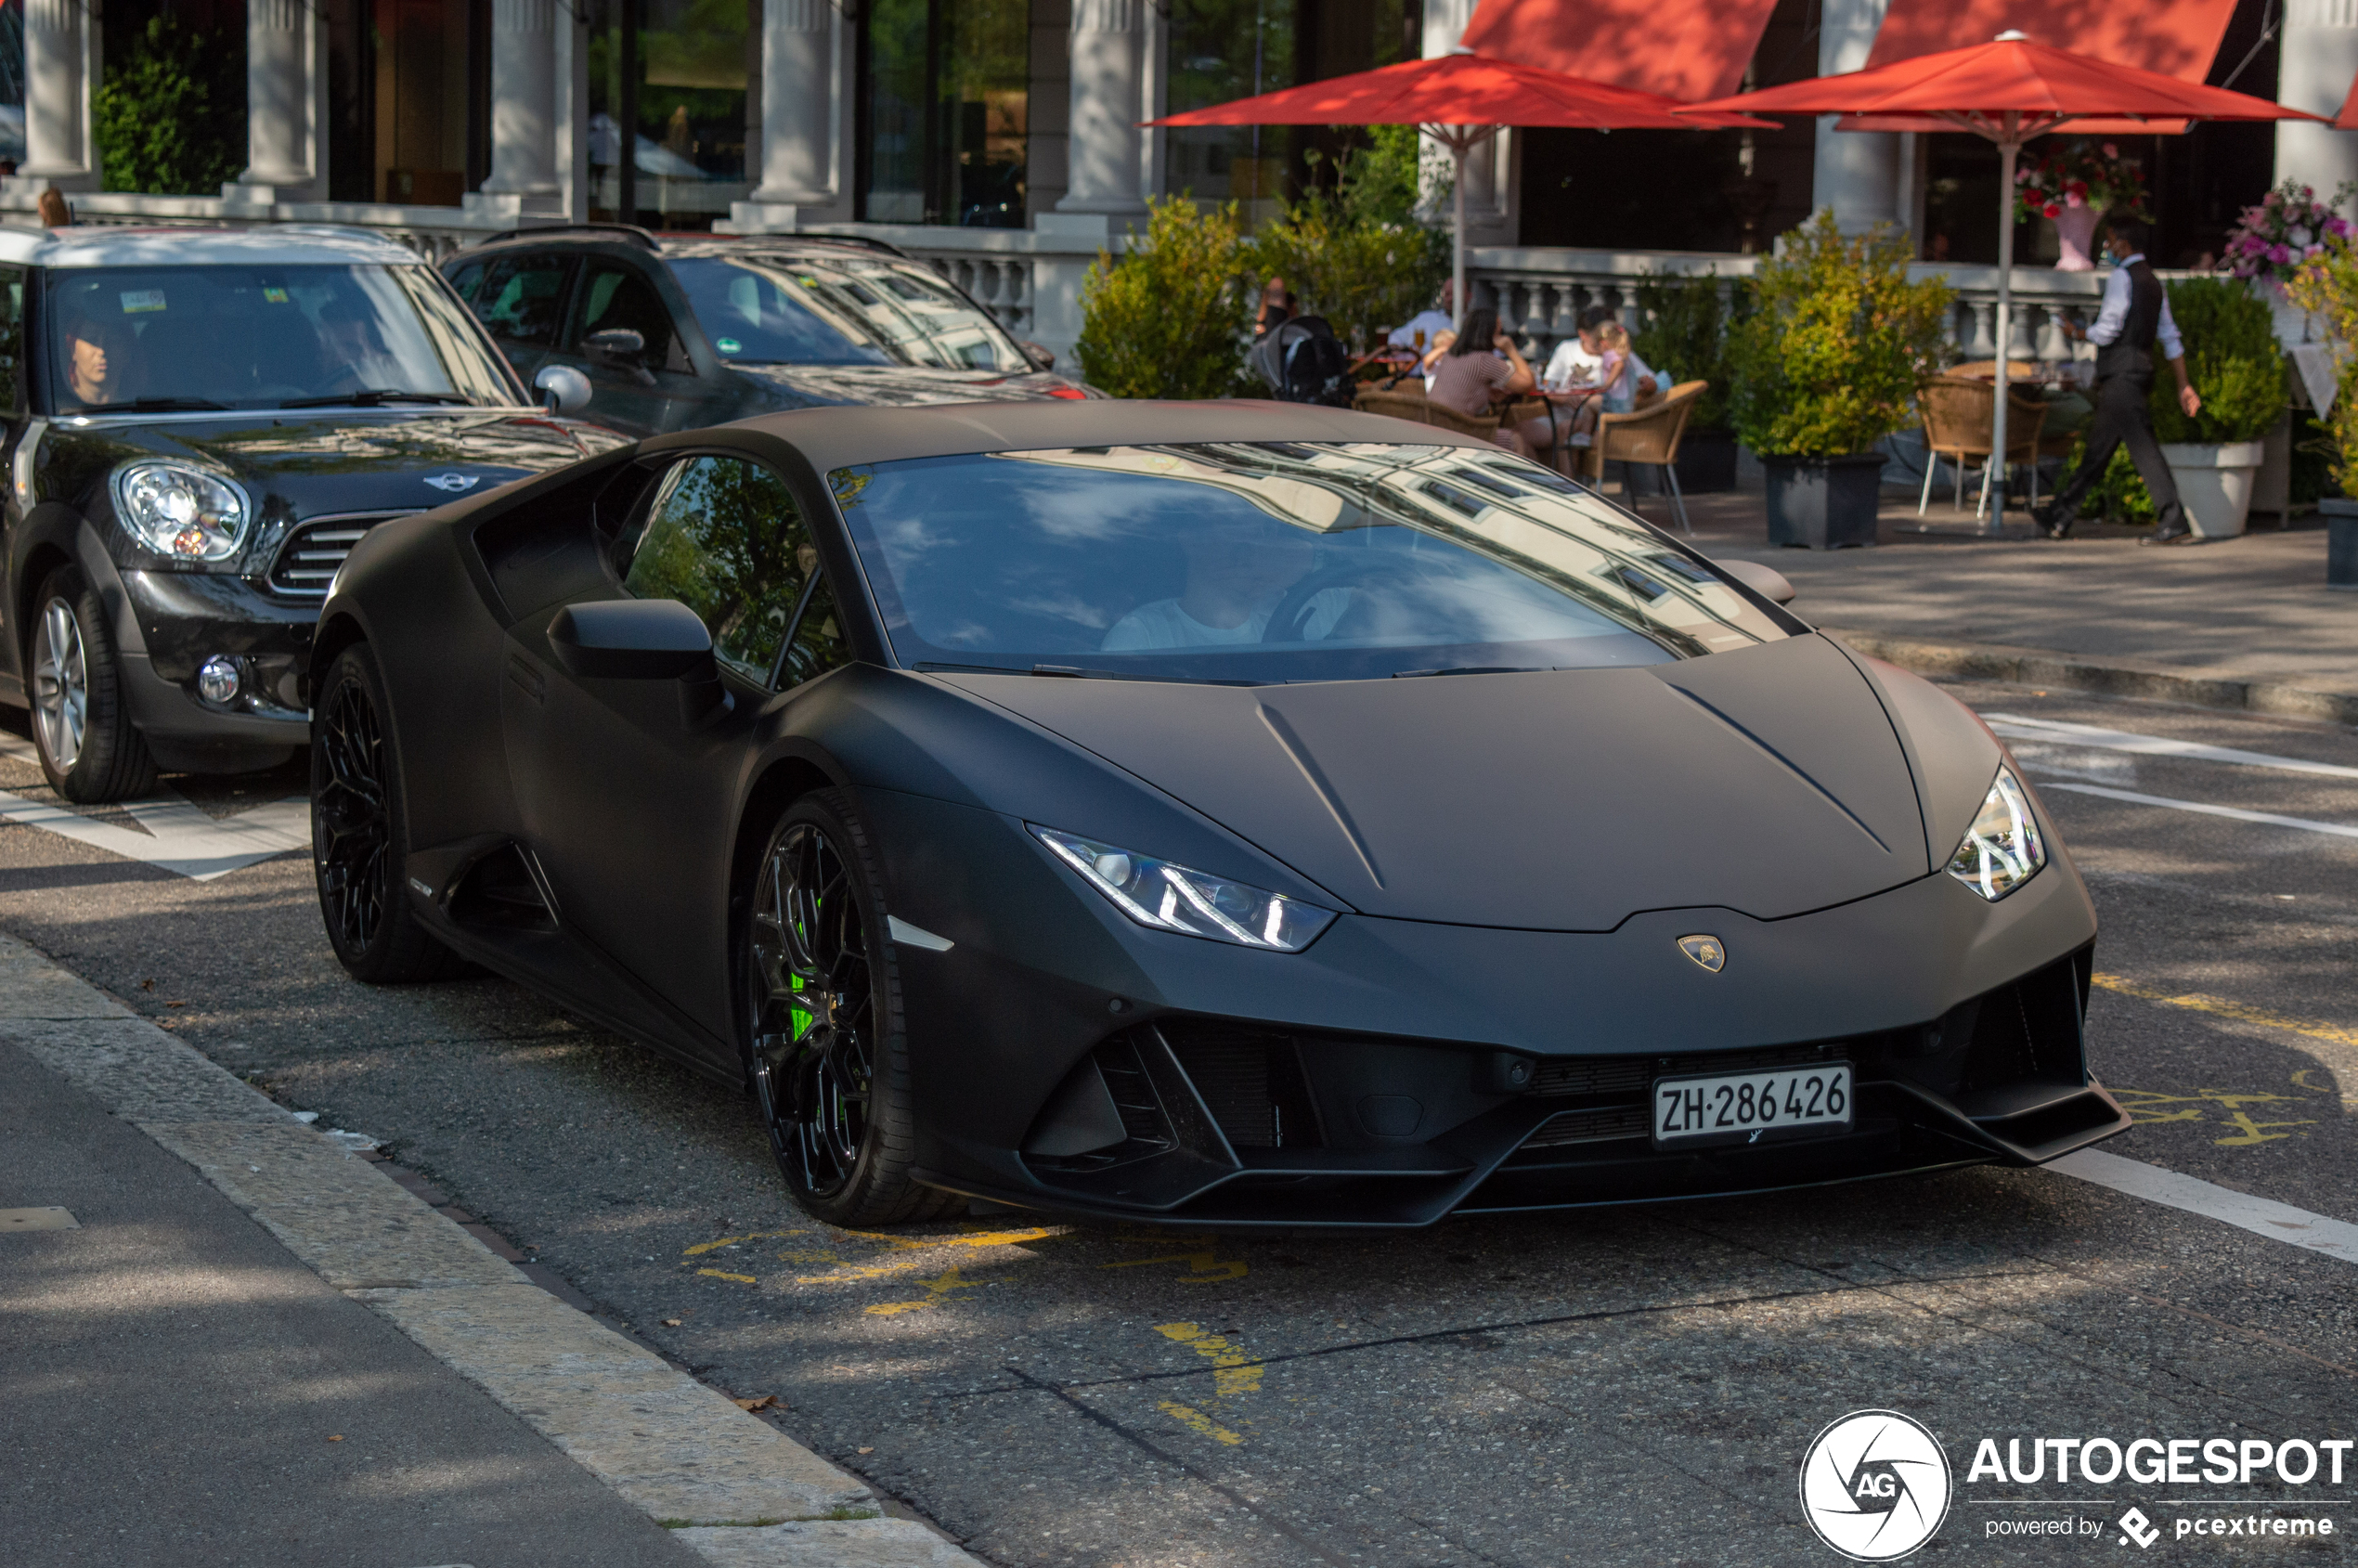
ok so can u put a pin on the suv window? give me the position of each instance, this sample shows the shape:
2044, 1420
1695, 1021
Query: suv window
617, 294
522, 298
11, 339
725, 539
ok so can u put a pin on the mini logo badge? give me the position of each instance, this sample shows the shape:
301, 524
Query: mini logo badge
1876, 1485
2135, 1526
1704, 950
452, 484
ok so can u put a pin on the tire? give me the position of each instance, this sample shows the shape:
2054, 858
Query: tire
360, 833
81, 713
825, 1031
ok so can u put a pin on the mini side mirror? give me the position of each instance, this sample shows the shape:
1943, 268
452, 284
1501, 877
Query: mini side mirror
563, 389
1766, 581
1043, 357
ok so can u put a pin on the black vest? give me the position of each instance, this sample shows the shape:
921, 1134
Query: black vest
2131, 352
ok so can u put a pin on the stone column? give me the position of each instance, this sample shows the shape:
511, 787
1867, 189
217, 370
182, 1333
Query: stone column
1107, 146
524, 105
59, 70
1857, 172
2319, 57
281, 112
797, 117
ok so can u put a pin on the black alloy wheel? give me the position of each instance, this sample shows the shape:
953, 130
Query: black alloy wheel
357, 843
81, 715
829, 1057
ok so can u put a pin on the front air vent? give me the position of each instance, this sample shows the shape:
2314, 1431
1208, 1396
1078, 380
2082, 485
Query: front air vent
504, 891
1590, 1127
308, 562
1251, 1080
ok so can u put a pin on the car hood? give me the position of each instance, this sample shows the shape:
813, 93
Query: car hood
1767, 781
307, 462
900, 385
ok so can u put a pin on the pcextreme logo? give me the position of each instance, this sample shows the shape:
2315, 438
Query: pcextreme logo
1875, 1486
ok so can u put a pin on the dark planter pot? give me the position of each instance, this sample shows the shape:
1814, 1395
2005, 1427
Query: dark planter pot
1707, 462
1824, 503
2341, 543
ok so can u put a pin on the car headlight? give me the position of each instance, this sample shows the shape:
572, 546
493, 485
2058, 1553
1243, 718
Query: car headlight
1172, 898
2002, 850
181, 512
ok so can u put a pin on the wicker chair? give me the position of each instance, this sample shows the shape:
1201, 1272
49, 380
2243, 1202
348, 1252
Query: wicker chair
1407, 401
1958, 413
1649, 435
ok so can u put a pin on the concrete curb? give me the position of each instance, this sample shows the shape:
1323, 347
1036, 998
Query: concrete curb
735, 1488
2117, 678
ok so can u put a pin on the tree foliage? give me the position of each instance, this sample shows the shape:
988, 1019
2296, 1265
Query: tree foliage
1172, 317
1829, 361
1353, 251
171, 119
2326, 285
1686, 325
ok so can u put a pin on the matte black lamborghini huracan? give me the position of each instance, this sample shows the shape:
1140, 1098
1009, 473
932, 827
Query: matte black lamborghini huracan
1222, 813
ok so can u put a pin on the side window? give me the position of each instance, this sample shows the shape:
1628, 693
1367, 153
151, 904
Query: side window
522, 298
467, 279
818, 644
726, 539
12, 340
617, 294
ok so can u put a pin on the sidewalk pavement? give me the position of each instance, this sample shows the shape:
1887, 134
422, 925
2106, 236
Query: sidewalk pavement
2244, 623
232, 1342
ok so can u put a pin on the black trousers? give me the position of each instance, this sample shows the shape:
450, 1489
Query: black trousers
2122, 415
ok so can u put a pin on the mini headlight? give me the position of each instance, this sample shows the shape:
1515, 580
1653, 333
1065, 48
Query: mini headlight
1172, 898
181, 512
2002, 850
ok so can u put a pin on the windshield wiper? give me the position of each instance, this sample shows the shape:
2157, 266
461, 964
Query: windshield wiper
1474, 670
151, 406
371, 398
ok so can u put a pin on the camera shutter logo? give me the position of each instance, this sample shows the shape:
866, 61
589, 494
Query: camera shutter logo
1875, 1486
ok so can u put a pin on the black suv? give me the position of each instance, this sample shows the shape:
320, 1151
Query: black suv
685, 331
198, 426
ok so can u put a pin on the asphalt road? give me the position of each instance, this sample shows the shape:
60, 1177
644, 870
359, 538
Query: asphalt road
1633, 1386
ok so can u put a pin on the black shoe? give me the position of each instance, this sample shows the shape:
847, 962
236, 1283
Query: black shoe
2054, 525
2175, 535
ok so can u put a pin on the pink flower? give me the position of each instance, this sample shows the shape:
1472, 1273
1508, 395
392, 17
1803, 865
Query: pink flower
2075, 199
2280, 254
2111, 149
2274, 200
2313, 250
2337, 225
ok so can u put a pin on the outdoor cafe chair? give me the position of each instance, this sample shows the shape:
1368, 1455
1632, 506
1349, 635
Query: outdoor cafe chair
1407, 401
1958, 414
1650, 436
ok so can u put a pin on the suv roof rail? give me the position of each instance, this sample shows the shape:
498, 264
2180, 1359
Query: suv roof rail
874, 244
627, 232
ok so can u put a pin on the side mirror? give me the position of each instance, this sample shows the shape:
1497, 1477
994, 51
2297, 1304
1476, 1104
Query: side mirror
1043, 357
1766, 581
563, 389
642, 639
615, 345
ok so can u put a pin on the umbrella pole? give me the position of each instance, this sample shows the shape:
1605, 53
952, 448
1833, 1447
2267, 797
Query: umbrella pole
1459, 147
2008, 145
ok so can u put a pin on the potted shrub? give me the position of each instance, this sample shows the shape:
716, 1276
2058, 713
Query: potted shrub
2326, 286
1826, 365
1682, 327
2233, 360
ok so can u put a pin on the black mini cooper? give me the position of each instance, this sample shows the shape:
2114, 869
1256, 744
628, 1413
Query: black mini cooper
200, 425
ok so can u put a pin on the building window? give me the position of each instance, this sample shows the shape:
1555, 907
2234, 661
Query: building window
944, 112
667, 86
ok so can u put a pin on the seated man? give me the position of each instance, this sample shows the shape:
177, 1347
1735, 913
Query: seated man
1238, 571
1423, 329
352, 355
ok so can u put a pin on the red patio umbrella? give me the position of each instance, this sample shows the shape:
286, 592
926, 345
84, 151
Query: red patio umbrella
1461, 100
2008, 90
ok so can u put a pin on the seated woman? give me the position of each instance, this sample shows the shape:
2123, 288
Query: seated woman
1470, 376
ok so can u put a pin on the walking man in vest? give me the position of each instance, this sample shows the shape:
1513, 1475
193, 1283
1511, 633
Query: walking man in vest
2135, 314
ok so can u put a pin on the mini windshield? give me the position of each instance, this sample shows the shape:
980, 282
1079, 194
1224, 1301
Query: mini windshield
264, 337
849, 310
1275, 561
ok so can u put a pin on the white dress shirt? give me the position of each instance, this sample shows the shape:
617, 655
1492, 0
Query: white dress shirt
1573, 366
2114, 314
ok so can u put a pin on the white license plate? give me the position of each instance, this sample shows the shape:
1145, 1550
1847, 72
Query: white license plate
1743, 1108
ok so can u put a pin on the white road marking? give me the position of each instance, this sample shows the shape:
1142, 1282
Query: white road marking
2262, 1216
180, 837
2016, 726
2271, 818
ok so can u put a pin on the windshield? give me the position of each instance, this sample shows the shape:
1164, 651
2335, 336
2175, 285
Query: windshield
264, 337
1275, 561
840, 310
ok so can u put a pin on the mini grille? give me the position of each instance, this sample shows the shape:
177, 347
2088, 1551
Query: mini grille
1629, 1075
1590, 1126
308, 562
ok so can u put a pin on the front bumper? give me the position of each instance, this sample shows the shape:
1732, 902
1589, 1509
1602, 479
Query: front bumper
172, 622
1365, 1082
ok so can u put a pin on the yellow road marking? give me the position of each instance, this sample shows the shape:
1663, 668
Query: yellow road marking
1203, 1268
703, 1247
2342, 1060
2251, 1132
928, 1252
937, 1291
718, 1274
1235, 1371
1197, 1421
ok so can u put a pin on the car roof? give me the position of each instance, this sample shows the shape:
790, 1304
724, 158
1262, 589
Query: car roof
840, 437
271, 245
578, 237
